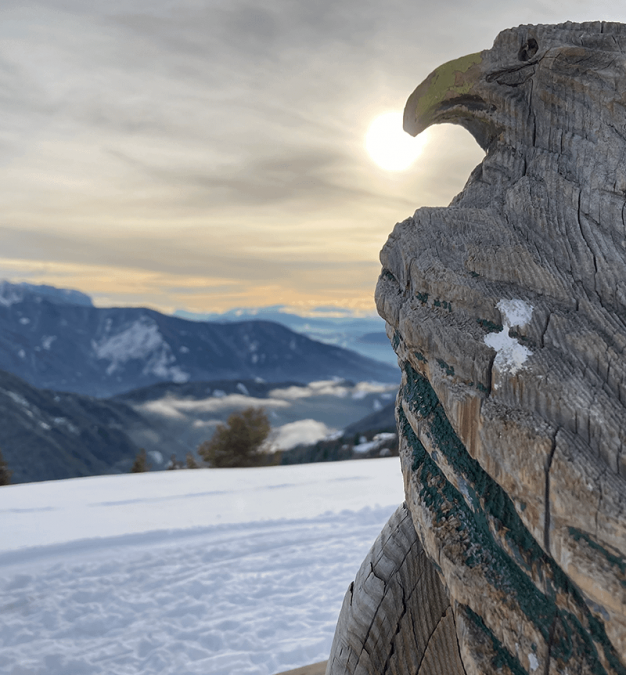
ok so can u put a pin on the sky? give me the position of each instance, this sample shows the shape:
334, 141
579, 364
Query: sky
210, 154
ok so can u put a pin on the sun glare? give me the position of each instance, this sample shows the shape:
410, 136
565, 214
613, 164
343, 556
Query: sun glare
391, 147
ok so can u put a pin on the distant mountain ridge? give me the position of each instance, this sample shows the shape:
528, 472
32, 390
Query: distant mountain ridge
53, 342
12, 293
47, 435
343, 328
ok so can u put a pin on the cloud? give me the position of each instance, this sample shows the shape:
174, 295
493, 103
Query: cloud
337, 388
303, 431
176, 408
224, 139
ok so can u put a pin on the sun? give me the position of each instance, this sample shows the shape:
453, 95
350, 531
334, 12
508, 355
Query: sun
391, 147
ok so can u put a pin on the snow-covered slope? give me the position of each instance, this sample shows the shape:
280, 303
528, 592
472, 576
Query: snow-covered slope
186, 572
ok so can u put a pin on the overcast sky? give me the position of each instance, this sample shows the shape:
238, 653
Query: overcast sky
209, 154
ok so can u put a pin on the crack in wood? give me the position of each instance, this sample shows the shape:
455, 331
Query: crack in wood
430, 637
546, 508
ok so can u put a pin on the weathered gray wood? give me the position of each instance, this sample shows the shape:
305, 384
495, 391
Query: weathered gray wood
396, 618
508, 314
313, 669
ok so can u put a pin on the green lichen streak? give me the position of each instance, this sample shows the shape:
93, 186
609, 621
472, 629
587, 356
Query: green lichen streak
494, 538
501, 656
612, 559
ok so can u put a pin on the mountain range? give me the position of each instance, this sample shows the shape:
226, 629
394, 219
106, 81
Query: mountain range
82, 388
341, 327
53, 342
48, 435
181, 416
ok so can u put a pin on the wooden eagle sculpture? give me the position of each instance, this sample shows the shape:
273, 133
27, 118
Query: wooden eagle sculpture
507, 311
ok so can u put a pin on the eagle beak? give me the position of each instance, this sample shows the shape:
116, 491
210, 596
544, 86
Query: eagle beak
441, 95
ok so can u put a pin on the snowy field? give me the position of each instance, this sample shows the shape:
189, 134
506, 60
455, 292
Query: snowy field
232, 571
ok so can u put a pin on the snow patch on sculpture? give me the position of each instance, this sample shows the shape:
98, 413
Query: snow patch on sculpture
510, 353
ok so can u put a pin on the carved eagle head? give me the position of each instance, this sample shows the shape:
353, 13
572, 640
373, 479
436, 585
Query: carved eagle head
532, 75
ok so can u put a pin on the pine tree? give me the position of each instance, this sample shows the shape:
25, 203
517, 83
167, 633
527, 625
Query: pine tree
174, 464
5, 472
191, 461
141, 462
238, 443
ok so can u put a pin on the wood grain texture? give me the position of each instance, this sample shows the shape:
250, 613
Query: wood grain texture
396, 618
313, 669
507, 310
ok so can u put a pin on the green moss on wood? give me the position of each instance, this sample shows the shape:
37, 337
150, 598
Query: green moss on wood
395, 341
454, 78
612, 559
492, 535
388, 276
449, 370
489, 326
501, 655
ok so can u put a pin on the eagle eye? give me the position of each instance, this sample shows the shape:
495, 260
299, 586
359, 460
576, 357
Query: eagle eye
528, 50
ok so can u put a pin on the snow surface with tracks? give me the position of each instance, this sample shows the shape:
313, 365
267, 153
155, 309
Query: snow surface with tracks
185, 572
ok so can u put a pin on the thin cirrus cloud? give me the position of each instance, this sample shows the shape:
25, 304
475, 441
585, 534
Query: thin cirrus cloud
203, 154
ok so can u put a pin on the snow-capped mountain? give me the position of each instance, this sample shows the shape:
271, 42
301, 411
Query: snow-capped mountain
12, 293
343, 328
54, 343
